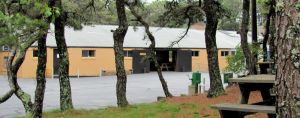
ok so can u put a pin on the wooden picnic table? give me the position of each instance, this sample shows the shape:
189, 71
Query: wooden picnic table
264, 66
164, 65
262, 83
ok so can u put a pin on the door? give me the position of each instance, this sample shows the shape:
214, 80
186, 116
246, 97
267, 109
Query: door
184, 61
139, 62
55, 61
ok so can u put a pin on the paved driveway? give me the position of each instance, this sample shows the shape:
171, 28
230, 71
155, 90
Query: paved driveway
98, 92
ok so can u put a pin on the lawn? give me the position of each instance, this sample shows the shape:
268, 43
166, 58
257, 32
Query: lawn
176, 107
155, 110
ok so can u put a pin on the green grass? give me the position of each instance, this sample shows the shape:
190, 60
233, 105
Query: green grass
153, 110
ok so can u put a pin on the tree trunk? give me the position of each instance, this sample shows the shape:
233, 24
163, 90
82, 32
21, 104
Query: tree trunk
288, 59
64, 80
272, 39
272, 36
216, 86
250, 65
15, 60
7, 95
267, 29
14, 64
14, 67
40, 77
152, 51
118, 36
254, 33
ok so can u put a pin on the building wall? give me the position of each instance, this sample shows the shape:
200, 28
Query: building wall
2, 62
200, 63
104, 60
84, 66
28, 68
92, 66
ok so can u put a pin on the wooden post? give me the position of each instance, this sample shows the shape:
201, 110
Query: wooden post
100, 73
191, 90
202, 85
52, 73
78, 73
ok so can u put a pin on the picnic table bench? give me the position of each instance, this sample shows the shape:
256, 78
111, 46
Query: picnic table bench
262, 83
240, 110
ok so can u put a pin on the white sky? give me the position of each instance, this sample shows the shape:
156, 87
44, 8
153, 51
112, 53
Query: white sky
149, 1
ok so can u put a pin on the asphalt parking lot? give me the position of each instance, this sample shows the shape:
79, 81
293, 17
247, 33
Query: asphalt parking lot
99, 92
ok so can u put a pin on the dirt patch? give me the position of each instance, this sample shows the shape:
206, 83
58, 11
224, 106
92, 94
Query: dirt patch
203, 103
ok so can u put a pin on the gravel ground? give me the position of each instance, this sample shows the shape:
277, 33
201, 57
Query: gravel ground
99, 92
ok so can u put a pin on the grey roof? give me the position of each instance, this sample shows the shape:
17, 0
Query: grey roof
101, 36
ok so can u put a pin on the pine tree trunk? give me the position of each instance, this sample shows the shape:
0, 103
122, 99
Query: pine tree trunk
64, 80
254, 33
40, 77
250, 65
12, 74
152, 51
272, 34
288, 59
267, 29
118, 36
272, 39
216, 86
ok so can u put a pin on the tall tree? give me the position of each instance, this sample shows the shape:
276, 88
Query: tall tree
250, 65
64, 80
271, 13
254, 32
288, 59
152, 55
41, 70
40, 77
22, 30
272, 38
212, 10
119, 35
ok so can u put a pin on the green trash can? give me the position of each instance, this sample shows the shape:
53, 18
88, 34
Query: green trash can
196, 78
227, 76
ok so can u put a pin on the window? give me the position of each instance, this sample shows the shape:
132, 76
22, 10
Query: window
224, 53
5, 61
232, 52
5, 48
35, 53
195, 53
170, 56
127, 53
88, 53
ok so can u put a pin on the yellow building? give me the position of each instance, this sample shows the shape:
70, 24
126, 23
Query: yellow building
91, 51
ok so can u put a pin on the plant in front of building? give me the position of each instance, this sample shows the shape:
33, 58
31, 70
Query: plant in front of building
236, 63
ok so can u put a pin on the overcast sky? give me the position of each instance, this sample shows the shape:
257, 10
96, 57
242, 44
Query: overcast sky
149, 1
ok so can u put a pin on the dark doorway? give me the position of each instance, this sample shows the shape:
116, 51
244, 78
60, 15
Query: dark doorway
55, 61
166, 59
140, 64
184, 61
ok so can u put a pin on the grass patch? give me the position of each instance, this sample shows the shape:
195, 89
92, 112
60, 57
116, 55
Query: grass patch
153, 110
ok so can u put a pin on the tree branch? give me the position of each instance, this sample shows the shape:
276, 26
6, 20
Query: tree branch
188, 27
6, 96
140, 19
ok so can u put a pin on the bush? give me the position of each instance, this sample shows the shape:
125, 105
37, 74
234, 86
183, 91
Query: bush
237, 62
